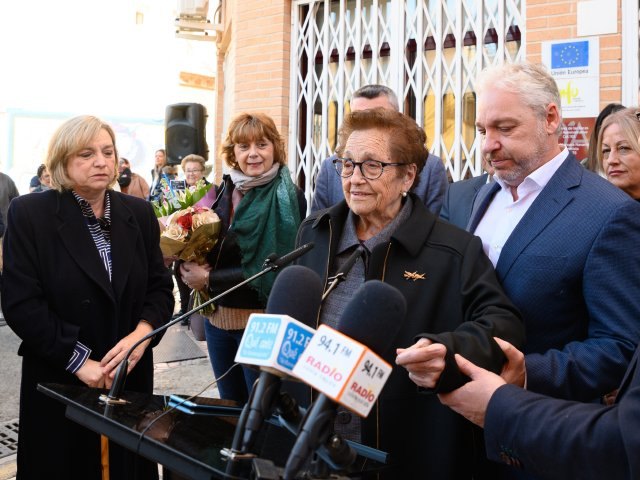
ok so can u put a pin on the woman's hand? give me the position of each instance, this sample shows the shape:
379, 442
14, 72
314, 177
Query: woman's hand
424, 360
168, 261
195, 276
91, 374
112, 359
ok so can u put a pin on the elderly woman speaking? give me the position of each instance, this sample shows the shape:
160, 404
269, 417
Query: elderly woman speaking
455, 303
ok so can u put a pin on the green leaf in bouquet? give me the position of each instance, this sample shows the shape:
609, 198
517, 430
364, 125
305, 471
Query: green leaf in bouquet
200, 191
199, 298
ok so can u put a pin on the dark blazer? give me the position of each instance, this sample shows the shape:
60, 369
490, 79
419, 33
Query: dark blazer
553, 438
458, 303
431, 187
571, 267
56, 291
458, 200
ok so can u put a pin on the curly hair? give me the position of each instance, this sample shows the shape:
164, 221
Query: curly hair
407, 140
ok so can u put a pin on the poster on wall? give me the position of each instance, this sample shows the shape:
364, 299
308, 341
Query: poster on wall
575, 65
575, 135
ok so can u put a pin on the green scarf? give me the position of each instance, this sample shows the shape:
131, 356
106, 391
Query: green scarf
266, 221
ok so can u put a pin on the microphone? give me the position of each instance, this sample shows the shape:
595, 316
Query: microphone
291, 256
342, 273
274, 342
270, 264
339, 364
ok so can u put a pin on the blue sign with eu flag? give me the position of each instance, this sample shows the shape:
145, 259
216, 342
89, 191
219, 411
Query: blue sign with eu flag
570, 54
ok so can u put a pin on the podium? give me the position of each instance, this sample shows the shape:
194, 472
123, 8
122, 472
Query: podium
186, 441
187, 445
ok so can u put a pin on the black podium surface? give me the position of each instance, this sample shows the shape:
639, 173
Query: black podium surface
188, 445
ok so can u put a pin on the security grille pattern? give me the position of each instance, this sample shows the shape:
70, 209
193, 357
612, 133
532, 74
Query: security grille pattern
428, 51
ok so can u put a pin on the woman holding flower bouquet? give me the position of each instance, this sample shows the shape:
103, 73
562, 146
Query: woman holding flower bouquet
260, 210
84, 279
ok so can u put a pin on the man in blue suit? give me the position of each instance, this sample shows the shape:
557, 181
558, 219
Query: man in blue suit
458, 200
564, 244
548, 437
562, 239
432, 183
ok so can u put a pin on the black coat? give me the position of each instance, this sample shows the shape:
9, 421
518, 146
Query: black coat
226, 257
458, 303
56, 292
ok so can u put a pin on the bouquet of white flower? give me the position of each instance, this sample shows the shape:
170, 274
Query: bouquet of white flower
189, 230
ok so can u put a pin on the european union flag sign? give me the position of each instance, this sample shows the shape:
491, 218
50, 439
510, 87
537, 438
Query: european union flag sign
569, 55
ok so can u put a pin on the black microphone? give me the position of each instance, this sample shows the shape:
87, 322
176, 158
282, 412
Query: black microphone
373, 317
342, 273
270, 264
291, 256
296, 292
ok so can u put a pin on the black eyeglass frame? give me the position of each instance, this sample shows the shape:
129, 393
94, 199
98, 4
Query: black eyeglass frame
383, 165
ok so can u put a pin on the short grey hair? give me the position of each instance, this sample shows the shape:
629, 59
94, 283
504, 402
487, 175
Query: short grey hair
532, 82
375, 91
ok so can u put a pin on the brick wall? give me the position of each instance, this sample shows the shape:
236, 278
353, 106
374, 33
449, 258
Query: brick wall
557, 20
259, 40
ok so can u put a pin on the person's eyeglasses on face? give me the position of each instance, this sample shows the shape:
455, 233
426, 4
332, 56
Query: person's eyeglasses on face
193, 172
370, 169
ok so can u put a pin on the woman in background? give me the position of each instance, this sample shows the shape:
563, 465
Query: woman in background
84, 280
592, 162
131, 183
44, 177
260, 209
193, 167
619, 150
155, 191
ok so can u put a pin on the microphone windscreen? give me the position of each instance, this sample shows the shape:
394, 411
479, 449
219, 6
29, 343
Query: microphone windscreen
297, 292
374, 315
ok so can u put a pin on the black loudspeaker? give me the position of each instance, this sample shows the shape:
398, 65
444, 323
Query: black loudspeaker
184, 131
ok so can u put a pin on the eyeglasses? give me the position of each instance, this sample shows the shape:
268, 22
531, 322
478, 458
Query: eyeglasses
370, 169
191, 172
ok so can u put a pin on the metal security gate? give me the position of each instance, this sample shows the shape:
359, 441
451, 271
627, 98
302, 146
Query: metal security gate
428, 51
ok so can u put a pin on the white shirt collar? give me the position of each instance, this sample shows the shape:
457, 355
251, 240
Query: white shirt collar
539, 178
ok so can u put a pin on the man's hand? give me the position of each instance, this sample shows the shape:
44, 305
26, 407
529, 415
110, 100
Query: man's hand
514, 371
471, 400
424, 361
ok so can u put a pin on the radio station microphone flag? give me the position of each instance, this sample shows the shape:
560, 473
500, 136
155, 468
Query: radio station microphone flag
343, 366
340, 364
275, 340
